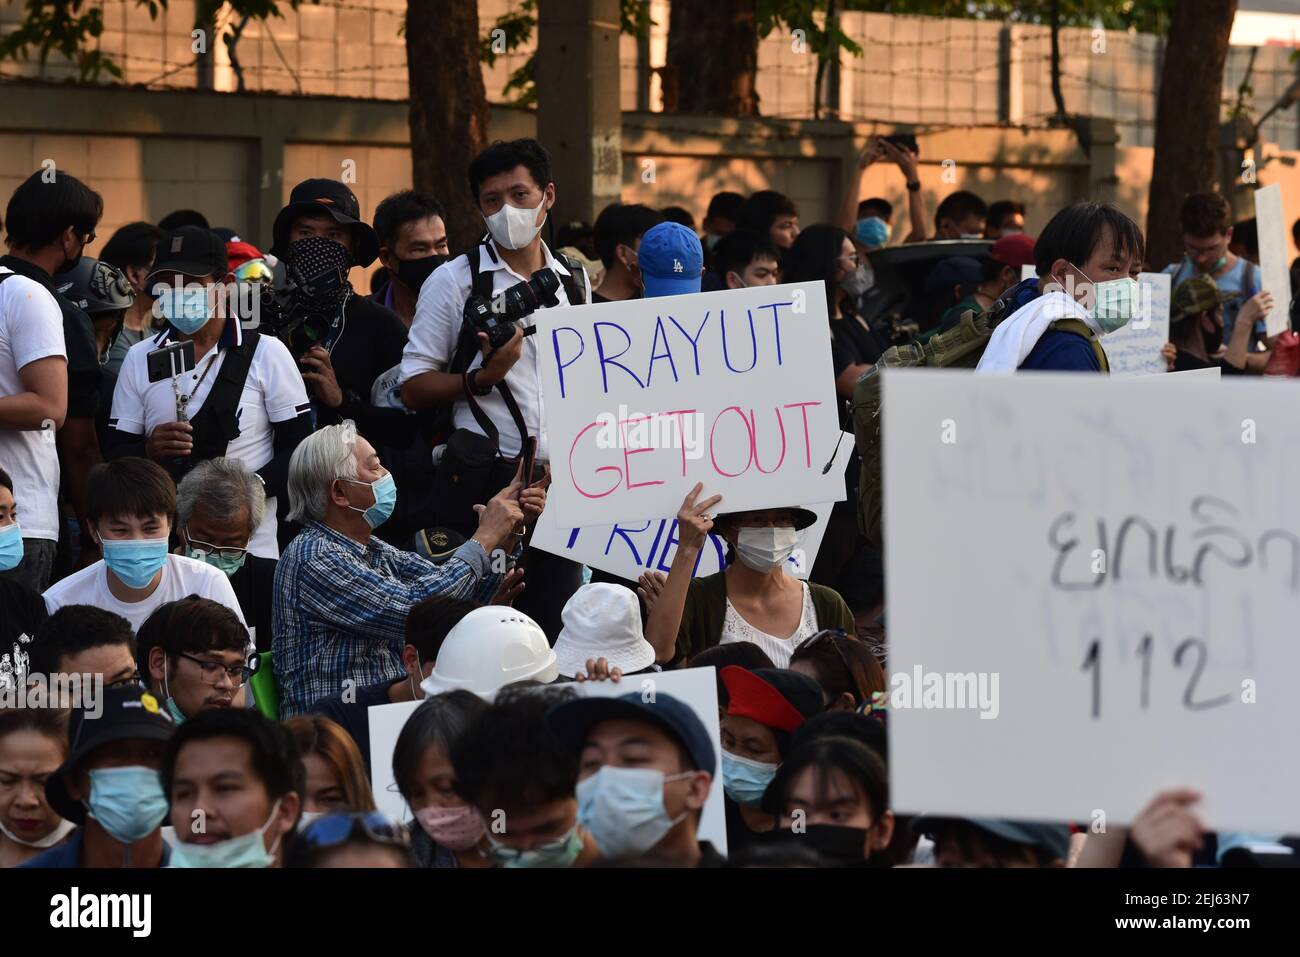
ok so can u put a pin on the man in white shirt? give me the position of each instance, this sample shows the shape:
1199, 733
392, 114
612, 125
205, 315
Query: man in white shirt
514, 189
243, 399
130, 504
33, 403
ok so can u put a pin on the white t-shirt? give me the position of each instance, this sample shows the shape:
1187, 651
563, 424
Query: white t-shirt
273, 392
435, 330
31, 328
181, 578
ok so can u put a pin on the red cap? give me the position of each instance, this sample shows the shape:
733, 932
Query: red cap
240, 253
1014, 249
752, 697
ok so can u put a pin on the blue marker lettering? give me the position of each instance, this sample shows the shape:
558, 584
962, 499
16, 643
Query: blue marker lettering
561, 365
660, 335
609, 360
753, 341
695, 342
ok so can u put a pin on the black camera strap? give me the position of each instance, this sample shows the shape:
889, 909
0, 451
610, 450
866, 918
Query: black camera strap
216, 424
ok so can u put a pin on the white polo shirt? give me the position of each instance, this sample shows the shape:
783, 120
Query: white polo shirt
436, 329
31, 328
273, 392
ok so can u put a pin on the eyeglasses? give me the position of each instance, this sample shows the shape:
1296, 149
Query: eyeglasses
229, 552
238, 674
135, 679
339, 828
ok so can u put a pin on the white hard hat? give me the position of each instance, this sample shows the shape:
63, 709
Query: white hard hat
488, 649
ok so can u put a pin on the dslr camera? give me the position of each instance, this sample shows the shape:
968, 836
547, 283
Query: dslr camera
496, 317
302, 312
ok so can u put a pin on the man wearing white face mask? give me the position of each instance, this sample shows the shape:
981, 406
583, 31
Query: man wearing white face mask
644, 773
1088, 258
495, 390
752, 599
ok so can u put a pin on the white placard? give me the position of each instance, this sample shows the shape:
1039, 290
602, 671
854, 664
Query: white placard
1135, 348
1039, 529
644, 398
631, 549
1212, 374
1275, 277
696, 687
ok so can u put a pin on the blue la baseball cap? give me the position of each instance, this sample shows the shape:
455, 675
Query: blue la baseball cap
872, 232
570, 721
671, 260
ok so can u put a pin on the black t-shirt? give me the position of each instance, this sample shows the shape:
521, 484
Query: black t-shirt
370, 344
21, 610
852, 343
254, 586
354, 715
1186, 362
84, 370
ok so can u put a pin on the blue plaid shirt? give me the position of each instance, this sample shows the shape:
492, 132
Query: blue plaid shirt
340, 609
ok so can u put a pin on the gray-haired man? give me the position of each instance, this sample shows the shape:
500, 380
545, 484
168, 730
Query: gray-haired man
219, 505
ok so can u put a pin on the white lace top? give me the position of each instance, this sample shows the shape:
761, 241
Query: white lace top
736, 628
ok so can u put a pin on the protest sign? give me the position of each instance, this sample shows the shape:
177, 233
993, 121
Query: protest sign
1275, 277
696, 687
1212, 374
1135, 349
645, 398
1120, 582
630, 549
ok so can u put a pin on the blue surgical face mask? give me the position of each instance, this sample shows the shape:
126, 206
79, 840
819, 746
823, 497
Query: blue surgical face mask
11, 546
247, 850
561, 852
185, 308
623, 808
385, 492
745, 780
135, 561
127, 802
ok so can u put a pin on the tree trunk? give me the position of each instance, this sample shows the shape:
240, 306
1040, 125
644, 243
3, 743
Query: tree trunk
712, 58
1057, 96
1187, 118
449, 110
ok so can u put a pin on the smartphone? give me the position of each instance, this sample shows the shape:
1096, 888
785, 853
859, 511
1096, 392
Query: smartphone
906, 141
530, 455
171, 360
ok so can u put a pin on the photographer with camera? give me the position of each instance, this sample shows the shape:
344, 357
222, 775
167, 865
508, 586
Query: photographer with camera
204, 386
468, 351
343, 341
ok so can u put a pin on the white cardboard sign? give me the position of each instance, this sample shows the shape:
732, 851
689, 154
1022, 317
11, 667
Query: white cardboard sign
1135, 349
631, 549
696, 687
1119, 569
1275, 277
645, 398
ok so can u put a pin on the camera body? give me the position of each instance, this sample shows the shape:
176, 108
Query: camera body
496, 317
294, 313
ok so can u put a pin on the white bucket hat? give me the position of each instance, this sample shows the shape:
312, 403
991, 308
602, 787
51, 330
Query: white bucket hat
488, 649
602, 620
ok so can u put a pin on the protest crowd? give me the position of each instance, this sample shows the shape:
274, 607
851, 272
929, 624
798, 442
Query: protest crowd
249, 502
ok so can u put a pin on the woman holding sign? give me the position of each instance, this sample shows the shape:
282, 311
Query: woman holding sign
752, 599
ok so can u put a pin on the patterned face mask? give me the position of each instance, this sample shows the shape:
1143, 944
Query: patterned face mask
320, 268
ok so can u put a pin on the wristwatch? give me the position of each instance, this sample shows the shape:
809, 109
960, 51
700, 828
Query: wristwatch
913, 185
472, 382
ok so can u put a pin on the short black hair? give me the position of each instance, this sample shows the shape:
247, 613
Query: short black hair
430, 621
1002, 209
852, 758
727, 205
189, 626
6, 481
408, 206
1246, 234
1074, 232
509, 760
47, 203
763, 208
620, 224
129, 486
736, 250
960, 205
73, 629
135, 244
503, 156
439, 722
275, 758
863, 728
183, 217
745, 654
876, 206
680, 215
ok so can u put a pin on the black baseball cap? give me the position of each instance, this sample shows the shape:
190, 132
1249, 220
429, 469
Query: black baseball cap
191, 251
315, 197
128, 714
438, 544
571, 720
1053, 838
